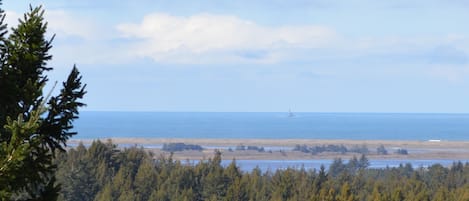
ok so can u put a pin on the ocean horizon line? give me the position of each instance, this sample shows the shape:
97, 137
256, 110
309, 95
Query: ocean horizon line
286, 111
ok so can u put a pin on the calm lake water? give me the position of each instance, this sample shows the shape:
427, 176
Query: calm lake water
358, 126
264, 165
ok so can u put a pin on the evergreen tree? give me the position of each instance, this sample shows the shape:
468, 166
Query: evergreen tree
105, 194
376, 194
32, 128
345, 193
363, 162
145, 179
82, 184
336, 168
282, 184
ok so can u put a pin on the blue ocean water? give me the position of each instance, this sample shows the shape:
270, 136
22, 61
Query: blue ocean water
359, 126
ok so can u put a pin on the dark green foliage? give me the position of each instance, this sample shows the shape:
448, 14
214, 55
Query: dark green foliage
133, 174
359, 149
32, 127
255, 148
172, 147
337, 167
320, 149
381, 150
402, 151
240, 148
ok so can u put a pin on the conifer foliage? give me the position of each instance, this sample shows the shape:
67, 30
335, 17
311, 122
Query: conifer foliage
33, 126
103, 171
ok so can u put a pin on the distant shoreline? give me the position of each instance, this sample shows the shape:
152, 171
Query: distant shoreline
430, 149
279, 142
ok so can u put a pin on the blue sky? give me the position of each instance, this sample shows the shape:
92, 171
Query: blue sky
310, 56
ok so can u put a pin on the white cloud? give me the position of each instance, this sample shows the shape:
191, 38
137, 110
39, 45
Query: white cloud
210, 38
64, 24
165, 37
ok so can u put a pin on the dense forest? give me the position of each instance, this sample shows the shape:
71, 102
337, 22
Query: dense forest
102, 171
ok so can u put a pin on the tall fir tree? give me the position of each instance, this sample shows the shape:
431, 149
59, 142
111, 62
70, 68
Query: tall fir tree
32, 126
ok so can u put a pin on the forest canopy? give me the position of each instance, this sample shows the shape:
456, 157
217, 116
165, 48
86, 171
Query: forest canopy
103, 171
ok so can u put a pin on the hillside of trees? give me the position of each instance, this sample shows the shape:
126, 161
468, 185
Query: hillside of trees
104, 172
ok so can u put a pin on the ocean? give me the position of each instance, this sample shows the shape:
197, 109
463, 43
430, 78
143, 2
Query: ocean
273, 125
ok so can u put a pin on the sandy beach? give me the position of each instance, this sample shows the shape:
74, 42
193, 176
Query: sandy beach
281, 149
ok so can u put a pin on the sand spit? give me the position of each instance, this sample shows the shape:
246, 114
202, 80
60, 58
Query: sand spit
431, 149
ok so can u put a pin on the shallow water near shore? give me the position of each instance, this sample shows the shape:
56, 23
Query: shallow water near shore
272, 165
273, 125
